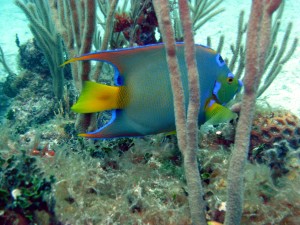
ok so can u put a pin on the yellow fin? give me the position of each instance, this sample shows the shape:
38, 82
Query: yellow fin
171, 132
216, 113
69, 61
98, 97
86, 135
213, 223
92, 56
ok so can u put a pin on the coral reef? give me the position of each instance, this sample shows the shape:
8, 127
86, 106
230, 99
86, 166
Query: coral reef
143, 180
267, 200
4, 102
277, 158
25, 193
32, 58
30, 101
136, 185
271, 127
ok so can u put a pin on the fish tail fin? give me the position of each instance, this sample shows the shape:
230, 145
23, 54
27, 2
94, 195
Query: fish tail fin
97, 97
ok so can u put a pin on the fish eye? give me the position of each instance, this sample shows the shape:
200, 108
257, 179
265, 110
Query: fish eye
230, 80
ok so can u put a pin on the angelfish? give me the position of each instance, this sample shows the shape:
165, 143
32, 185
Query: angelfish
141, 100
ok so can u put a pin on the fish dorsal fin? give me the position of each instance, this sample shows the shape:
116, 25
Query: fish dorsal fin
118, 58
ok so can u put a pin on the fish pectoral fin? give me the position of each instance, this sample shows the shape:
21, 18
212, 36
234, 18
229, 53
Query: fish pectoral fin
171, 133
97, 97
216, 113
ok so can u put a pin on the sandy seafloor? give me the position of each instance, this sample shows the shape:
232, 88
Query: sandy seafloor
283, 92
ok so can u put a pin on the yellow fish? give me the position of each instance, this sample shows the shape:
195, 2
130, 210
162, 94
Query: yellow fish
141, 100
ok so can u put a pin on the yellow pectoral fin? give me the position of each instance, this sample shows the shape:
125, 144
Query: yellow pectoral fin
99, 97
216, 113
171, 133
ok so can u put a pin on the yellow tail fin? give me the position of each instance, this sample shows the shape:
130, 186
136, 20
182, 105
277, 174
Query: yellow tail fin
97, 97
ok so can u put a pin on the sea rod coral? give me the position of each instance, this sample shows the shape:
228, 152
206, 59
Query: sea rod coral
186, 127
258, 39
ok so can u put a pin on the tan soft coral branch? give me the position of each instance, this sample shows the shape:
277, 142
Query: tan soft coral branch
186, 125
258, 39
